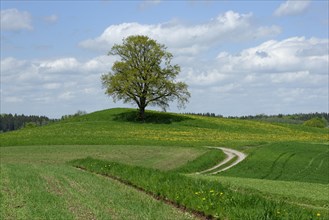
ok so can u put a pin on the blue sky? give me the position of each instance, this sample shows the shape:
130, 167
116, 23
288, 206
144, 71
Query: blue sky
238, 57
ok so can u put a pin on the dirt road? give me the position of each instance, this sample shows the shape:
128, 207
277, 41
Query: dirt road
231, 155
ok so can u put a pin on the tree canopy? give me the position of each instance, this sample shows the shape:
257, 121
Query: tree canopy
144, 75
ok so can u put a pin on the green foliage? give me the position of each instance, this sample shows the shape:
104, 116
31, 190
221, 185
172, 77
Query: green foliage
30, 125
150, 117
77, 114
144, 75
208, 197
9, 122
316, 122
297, 118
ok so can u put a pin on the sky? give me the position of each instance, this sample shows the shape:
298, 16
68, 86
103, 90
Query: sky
237, 57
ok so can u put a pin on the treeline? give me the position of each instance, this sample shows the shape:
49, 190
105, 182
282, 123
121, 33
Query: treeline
78, 113
9, 122
297, 118
208, 114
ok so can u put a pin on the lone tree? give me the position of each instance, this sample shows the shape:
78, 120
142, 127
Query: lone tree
144, 75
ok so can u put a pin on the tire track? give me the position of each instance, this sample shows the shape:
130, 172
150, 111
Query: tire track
273, 165
284, 165
304, 172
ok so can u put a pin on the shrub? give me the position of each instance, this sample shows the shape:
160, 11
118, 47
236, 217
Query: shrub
316, 122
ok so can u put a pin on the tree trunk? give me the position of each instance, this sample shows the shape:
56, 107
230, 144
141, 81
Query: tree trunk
141, 115
142, 106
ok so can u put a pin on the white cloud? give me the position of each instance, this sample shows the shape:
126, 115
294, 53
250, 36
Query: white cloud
14, 20
51, 18
203, 76
13, 99
185, 39
8, 63
292, 7
60, 82
68, 95
148, 3
276, 76
64, 66
60, 65
292, 54
52, 85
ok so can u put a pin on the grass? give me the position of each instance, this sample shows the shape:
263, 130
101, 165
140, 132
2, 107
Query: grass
208, 197
290, 161
159, 157
302, 193
203, 162
36, 182
104, 128
62, 192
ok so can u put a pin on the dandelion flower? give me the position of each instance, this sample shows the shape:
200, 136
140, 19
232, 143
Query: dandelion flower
318, 214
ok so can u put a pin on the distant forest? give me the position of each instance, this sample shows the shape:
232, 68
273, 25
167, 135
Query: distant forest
9, 122
298, 118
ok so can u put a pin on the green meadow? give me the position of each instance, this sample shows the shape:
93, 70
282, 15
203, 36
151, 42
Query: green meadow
106, 165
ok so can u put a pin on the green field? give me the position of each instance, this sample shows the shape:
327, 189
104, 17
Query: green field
291, 161
286, 167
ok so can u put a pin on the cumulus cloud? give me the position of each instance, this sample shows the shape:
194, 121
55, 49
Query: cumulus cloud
272, 62
292, 7
59, 82
186, 39
14, 20
276, 76
292, 54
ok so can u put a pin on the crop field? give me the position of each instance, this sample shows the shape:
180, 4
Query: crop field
105, 165
304, 162
149, 156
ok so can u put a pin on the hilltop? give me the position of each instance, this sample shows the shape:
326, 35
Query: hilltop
119, 127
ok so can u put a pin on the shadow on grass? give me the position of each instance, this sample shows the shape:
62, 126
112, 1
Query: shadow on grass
150, 117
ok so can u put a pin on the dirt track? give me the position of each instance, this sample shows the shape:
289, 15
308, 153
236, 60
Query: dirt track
231, 154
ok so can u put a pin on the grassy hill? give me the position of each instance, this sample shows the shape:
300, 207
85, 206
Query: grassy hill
38, 181
117, 127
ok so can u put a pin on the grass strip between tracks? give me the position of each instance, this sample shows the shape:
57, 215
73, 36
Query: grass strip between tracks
206, 198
